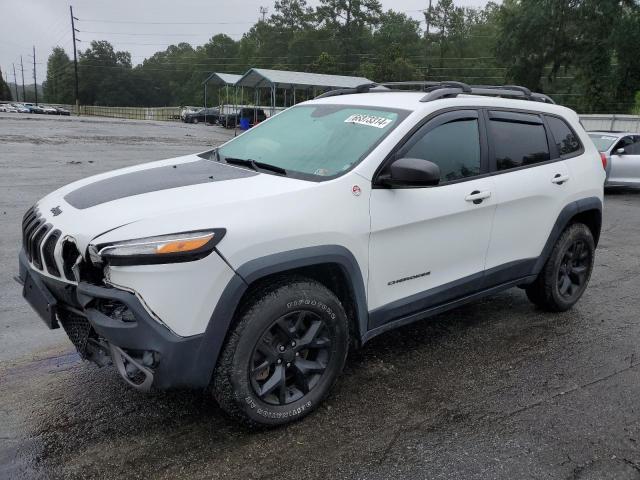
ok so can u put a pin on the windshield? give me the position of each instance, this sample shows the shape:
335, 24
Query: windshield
316, 140
602, 142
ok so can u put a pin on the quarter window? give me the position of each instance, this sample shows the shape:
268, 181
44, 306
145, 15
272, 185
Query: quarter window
566, 141
454, 147
518, 144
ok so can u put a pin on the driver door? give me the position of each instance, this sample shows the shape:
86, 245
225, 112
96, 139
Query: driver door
428, 244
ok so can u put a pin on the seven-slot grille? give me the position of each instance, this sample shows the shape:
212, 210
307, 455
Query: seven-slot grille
39, 240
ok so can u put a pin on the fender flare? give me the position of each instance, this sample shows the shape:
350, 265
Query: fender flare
215, 335
565, 216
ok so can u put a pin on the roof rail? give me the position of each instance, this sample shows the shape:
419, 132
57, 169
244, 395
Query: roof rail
364, 88
453, 89
446, 89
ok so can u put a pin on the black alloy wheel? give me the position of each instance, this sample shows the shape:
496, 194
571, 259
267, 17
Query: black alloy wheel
573, 270
287, 347
566, 273
290, 358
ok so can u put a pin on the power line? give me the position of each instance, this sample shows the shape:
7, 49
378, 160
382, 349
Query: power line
133, 22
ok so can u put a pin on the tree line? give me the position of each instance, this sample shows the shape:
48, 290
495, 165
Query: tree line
583, 53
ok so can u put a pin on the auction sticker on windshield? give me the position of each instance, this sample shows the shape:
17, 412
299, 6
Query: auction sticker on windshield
368, 120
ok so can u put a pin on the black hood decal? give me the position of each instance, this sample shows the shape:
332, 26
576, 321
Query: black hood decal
153, 180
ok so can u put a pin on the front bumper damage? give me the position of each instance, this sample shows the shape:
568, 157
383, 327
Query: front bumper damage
111, 326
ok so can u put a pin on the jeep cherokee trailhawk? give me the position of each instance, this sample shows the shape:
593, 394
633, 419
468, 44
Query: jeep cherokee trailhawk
252, 268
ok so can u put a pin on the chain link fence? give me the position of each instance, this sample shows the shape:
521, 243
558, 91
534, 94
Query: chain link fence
622, 123
610, 122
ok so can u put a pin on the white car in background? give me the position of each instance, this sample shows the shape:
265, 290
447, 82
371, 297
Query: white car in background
188, 110
621, 151
7, 107
49, 110
20, 108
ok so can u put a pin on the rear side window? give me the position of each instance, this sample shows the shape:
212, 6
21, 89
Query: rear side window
566, 141
517, 143
454, 147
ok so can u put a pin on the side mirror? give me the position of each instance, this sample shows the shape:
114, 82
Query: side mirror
620, 151
411, 172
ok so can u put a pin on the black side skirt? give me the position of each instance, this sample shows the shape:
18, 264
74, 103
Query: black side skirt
450, 295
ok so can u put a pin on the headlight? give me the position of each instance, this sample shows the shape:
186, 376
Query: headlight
177, 247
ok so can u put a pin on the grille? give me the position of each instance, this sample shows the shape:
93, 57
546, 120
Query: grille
37, 244
39, 241
78, 330
48, 251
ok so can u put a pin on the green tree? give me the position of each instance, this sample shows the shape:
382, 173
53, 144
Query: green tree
106, 76
59, 84
5, 92
351, 22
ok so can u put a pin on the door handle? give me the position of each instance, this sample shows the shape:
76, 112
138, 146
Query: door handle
477, 196
559, 179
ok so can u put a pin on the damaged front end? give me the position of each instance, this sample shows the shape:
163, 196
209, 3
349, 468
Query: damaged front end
108, 324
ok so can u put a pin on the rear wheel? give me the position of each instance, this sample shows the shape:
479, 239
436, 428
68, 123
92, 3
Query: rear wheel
565, 276
284, 354
195, 120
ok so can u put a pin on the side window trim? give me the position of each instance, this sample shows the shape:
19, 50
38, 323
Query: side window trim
493, 167
435, 120
448, 117
578, 152
554, 154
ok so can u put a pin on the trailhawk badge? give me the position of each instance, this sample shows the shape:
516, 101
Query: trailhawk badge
356, 190
56, 211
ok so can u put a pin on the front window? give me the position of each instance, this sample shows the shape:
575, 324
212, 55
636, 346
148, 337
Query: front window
602, 142
315, 140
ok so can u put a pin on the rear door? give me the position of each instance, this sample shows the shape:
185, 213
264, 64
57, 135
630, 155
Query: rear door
530, 181
428, 244
625, 167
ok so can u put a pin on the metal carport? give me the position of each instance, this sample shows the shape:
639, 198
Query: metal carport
221, 80
259, 78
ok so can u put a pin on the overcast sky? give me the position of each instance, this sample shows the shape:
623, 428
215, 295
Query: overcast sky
46, 23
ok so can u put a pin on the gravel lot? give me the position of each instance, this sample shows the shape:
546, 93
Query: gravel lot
495, 389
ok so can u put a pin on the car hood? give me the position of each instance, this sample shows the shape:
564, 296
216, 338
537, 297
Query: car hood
169, 196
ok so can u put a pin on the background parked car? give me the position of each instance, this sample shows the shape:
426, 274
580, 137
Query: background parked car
21, 108
49, 110
254, 115
188, 110
7, 107
62, 111
33, 108
622, 154
208, 115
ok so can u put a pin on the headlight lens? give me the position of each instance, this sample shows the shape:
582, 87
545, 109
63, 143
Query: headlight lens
178, 247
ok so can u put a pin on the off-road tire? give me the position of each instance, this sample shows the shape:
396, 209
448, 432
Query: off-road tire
545, 291
232, 379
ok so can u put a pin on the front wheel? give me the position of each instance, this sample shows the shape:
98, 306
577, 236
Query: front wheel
565, 276
284, 354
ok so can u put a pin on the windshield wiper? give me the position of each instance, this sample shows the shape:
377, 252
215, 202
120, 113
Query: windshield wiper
268, 166
240, 161
255, 165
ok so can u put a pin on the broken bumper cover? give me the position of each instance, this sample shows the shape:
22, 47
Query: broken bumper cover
175, 361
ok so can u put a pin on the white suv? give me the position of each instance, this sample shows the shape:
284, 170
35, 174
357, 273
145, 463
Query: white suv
253, 268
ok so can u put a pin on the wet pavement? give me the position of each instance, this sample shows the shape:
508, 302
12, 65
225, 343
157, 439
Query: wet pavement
495, 389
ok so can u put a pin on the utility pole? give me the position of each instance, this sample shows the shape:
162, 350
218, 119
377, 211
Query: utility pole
24, 96
75, 56
263, 12
35, 80
427, 17
15, 82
